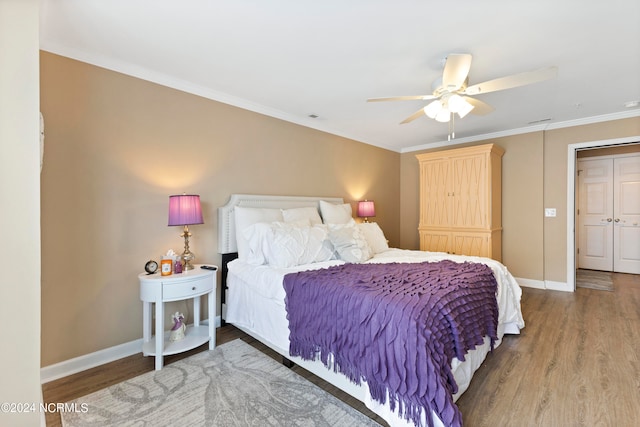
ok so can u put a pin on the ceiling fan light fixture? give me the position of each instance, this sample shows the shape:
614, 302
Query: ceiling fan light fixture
458, 104
465, 109
444, 115
433, 108
455, 102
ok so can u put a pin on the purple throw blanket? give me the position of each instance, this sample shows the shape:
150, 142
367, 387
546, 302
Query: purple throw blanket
396, 325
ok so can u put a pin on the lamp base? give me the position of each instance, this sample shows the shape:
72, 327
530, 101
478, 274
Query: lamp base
187, 256
186, 261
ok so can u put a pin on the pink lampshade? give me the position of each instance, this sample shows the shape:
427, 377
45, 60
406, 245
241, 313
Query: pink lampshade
366, 209
185, 210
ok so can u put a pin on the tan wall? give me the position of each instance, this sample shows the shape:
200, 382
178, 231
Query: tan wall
534, 177
409, 195
19, 212
117, 147
522, 205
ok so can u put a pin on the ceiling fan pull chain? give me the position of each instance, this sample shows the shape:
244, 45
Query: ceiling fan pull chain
452, 131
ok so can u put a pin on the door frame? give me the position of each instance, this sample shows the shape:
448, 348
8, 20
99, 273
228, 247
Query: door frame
572, 150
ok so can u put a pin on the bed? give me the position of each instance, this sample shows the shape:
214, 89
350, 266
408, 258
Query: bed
268, 242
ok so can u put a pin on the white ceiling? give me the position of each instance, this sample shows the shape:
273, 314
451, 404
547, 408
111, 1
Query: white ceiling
293, 58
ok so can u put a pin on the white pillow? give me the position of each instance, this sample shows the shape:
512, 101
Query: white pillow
349, 242
318, 248
335, 214
246, 217
293, 244
258, 237
260, 242
296, 214
282, 244
287, 245
374, 236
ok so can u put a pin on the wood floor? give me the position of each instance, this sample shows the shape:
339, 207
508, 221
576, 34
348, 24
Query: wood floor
576, 363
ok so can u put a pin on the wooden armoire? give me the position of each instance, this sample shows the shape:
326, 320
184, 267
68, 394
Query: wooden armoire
461, 201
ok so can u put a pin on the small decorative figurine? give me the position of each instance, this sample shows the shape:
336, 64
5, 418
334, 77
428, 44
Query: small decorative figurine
177, 332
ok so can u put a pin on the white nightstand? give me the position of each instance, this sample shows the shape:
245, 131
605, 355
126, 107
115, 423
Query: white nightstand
158, 289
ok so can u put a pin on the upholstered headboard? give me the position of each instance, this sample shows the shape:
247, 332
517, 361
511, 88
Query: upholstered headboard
226, 219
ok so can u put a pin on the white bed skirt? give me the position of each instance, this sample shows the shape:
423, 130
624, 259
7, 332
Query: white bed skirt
265, 319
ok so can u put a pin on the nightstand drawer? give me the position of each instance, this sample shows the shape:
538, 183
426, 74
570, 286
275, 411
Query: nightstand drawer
186, 289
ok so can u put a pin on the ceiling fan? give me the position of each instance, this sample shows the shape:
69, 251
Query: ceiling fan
452, 94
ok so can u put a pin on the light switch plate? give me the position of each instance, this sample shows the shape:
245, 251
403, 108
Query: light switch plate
550, 212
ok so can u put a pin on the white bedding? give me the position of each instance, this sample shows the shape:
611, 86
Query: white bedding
255, 303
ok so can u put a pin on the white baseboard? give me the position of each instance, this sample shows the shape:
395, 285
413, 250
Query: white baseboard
544, 284
557, 286
100, 357
88, 361
530, 283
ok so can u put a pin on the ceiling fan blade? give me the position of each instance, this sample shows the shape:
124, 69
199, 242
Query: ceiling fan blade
401, 98
479, 107
512, 81
414, 116
456, 70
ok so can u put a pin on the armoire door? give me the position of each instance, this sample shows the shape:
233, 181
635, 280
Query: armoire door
436, 199
469, 191
609, 214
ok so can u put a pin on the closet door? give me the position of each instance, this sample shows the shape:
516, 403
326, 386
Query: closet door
626, 221
609, 214
595, 214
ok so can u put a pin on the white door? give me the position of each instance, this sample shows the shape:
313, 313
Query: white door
609, 214
595, 214
626, 220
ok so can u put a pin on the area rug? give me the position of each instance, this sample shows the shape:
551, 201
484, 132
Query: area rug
233, 385
594, 279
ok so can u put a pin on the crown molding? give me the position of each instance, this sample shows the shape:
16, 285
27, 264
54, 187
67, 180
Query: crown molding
529, 129
188, 87
194, 89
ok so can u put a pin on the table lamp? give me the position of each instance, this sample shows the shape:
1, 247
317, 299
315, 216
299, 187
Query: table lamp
185, 210
366, 209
